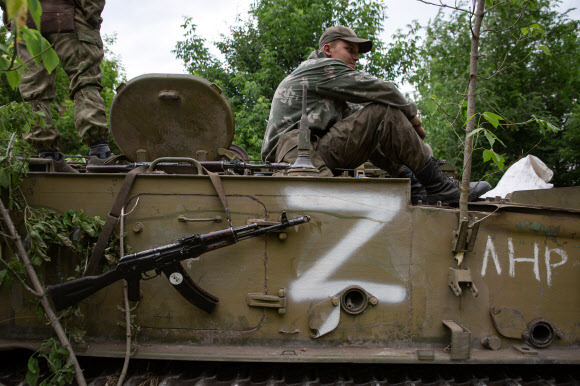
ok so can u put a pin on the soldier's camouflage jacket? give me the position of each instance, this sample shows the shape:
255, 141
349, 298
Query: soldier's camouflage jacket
332, 85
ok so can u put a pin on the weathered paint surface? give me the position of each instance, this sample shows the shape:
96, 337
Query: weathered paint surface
551, 257
362, 232
373, 211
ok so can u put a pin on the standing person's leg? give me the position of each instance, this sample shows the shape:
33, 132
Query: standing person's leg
38, 88
81, 53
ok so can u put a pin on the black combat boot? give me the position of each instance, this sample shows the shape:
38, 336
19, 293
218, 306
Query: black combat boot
100, 153
60, 164
418, 192
439, 187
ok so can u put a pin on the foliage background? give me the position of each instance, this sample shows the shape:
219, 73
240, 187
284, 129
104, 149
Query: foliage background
518, 81
276, 35
433, 58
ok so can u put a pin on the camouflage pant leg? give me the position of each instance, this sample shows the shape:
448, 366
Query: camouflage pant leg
377, 132
81, 53
38, 88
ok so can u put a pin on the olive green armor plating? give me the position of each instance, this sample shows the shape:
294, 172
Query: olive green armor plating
370, 278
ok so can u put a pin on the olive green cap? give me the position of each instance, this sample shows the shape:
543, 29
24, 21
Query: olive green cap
344, 33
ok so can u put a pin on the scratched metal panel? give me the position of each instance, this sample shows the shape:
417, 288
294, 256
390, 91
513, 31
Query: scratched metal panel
362, 232
529, 262
349, 231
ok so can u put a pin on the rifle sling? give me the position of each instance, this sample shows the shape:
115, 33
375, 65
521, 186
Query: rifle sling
112, 219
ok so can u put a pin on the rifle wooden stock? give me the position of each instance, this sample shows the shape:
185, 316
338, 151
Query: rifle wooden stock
71, 292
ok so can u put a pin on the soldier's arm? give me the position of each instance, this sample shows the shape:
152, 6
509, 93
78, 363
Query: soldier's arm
92, 10
342, 82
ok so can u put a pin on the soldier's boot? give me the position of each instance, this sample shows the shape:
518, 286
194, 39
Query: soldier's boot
100, 154
59, 162
441, 188
418, 192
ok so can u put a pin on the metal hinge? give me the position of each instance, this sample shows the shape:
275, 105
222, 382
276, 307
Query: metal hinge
464, 238
461, 276
268, 301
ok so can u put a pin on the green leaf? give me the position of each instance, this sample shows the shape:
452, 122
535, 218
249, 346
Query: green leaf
487, 155
64, 240
545, 49
492, 118
16, 9
13, 78
49, 57
536, 30
525, 30
470, 118
490, 138
545, 125
3, 276
551, 127
33, 41
36, 11
498, 160
475, 131
4, 62
4, 179
495, 137
431, 106
33, 372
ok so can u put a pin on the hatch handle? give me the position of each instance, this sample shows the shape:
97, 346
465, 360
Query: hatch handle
200, 168
169, 95
182, 218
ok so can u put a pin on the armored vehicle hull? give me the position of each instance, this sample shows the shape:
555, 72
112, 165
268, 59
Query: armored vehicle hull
370, 279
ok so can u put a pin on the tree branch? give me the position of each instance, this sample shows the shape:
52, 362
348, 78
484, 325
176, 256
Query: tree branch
506, 67
511, 26
495, 5
441, 5
50, 314
26, 287
471, 96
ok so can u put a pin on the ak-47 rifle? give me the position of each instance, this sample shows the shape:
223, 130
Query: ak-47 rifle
164, 259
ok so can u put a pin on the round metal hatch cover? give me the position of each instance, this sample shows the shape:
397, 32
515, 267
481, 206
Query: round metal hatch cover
170, 115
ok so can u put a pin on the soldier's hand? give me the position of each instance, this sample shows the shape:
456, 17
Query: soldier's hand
418, 126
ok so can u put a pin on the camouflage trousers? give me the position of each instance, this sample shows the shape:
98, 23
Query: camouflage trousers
379, 133
80, 53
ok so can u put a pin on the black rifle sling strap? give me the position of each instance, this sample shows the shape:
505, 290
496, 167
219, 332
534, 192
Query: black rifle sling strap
112, 219
219, 188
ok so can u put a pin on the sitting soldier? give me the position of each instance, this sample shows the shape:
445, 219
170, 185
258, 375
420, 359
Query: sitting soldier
385, 130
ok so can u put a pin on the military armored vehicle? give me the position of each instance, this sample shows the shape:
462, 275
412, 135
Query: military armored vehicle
366, 278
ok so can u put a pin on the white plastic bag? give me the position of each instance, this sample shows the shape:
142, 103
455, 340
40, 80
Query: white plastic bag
529, 173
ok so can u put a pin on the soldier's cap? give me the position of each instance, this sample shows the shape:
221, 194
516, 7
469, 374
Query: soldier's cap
344, 33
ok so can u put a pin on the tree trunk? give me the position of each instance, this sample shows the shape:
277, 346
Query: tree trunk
471, 95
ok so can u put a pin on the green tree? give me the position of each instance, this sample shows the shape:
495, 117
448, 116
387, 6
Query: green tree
271, 43
529, 67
